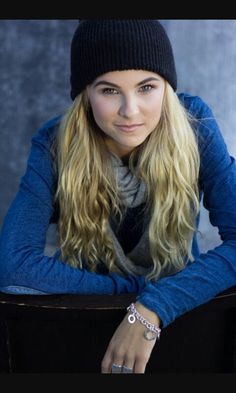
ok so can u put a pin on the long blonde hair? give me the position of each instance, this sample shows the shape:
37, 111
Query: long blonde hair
167, 161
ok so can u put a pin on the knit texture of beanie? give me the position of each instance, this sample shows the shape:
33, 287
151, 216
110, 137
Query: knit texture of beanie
103, 45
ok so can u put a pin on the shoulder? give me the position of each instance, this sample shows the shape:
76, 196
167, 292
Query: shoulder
47, 131
195, 105
202, 120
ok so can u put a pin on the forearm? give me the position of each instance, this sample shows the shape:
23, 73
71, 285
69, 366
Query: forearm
212, 273
23, 263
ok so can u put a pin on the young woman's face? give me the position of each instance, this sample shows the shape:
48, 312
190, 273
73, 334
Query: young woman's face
127, 107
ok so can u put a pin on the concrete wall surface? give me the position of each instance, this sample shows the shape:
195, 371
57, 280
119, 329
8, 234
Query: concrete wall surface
34, 80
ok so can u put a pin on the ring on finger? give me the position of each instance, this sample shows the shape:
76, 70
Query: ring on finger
127, 370
116, 368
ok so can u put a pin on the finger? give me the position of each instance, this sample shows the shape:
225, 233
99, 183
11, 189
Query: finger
127, 369
116, 368
117, 364
139, 367
128, 366
106, 363
112, 364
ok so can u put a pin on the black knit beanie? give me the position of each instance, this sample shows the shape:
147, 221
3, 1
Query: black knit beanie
103, 45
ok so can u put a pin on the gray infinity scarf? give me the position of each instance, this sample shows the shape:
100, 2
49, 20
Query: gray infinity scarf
133, 192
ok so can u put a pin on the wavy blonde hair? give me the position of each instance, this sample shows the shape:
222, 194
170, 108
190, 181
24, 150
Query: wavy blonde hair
167, 161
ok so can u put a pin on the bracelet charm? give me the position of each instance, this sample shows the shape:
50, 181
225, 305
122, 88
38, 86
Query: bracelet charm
149, 335
151, 332
131, 318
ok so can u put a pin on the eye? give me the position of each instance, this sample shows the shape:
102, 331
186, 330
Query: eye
146, 88
109, 91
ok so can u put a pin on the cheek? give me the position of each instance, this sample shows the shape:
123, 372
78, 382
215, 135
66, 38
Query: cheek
102, 111
154, 113
153, 117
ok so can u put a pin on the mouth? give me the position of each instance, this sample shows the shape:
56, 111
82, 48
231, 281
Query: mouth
129, 127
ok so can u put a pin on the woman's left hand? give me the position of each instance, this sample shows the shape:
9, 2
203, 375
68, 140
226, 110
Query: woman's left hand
128, 346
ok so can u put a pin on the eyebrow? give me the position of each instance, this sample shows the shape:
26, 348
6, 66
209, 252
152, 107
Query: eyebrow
103, 82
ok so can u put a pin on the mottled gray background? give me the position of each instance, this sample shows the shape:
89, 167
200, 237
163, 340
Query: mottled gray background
34, 87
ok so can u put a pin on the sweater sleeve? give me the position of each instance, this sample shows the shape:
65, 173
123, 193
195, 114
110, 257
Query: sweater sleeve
23, 236
214, 271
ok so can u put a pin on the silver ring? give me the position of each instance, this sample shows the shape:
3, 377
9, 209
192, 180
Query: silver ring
127, 370
116, 368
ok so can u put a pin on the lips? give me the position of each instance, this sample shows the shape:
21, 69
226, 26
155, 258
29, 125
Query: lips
128, 127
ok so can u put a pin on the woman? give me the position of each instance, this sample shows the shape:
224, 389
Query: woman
122, 173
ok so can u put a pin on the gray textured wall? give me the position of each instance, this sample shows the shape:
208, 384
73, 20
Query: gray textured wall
34, 80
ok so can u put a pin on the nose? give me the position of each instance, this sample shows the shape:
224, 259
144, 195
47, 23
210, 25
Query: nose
128, 107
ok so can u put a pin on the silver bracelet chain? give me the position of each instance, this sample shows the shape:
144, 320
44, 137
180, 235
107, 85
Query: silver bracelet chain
134, 314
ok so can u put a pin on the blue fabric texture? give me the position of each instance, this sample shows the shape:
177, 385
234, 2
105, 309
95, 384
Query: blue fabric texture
24, 267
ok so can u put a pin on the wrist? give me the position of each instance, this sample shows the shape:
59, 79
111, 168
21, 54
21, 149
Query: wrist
151, 331
148, 314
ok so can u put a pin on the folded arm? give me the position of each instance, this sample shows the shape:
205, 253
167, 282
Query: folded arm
23, 237
214, 271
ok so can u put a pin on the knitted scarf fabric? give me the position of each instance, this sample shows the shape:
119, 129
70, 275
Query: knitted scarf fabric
133, 192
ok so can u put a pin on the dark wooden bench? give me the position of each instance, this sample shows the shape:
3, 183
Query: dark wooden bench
70, 334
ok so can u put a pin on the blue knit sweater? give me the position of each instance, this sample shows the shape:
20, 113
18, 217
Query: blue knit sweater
23, 236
